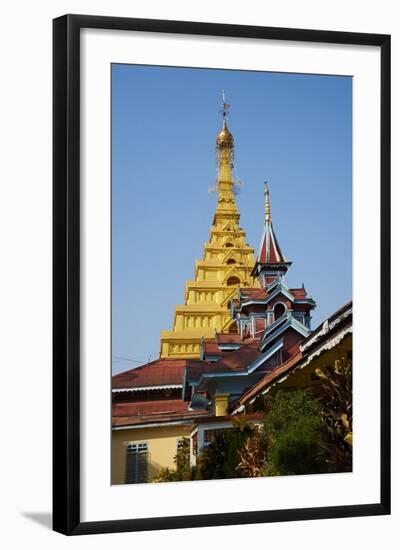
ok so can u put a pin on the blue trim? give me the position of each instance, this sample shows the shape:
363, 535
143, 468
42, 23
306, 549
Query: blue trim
258, 362
290, 323
280, 290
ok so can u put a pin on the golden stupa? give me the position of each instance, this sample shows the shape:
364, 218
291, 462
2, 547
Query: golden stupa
226, 265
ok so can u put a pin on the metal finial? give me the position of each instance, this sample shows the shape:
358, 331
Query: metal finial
267, 203
225, 107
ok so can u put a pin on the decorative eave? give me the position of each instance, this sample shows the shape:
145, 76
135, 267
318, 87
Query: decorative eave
145, 388
273, 266
280, 290
248, 369
308, 301
279, 377
280, 326
341, 316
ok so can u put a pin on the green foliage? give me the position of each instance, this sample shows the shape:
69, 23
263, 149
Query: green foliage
288, 443
291, 429
211, 461
295, 450
220, 459
300, 435
286, 408
337, 416
182, 461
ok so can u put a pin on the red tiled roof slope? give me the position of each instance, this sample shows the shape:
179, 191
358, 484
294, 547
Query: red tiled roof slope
226, 338
237, 360
154, 412
157, 373
211, 348
149, 407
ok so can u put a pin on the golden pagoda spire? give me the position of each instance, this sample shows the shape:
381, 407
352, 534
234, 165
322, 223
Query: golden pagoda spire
225, 146
267, 204
225, 153
226, 264
224, 138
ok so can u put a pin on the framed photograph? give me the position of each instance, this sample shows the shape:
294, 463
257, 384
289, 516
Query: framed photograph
221, 262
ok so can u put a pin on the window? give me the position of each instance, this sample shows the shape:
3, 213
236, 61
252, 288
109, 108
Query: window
210, 435
233, 281
137, 456
231, 261
279, 310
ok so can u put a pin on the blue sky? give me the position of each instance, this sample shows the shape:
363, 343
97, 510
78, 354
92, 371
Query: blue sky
294, 131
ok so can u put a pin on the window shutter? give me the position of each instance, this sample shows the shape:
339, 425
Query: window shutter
137, 456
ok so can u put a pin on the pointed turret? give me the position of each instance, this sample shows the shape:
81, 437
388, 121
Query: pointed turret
271, 262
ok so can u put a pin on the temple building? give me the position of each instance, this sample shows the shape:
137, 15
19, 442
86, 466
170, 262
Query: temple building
227, 263
271, 321
241, 331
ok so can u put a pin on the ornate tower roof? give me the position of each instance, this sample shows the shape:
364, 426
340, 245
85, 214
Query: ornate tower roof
270, 255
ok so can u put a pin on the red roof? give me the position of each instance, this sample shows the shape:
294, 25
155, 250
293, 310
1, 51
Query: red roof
254, 294
210, 347
147, 412
149, 407
298, 293
227, 338
270, 251
262, 294
237, 360
161, 372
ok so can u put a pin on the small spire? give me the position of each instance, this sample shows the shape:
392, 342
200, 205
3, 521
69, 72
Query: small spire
225, 108
270, 255
267, 204
224, 138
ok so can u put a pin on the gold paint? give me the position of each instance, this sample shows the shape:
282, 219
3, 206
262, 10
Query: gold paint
225, 138
208, 295
267, 204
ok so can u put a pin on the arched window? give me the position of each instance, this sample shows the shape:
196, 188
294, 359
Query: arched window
231, 261
228, 245
279, 310
233, 281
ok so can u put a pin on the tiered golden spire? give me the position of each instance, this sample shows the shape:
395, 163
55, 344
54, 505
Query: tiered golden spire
226, 264
226, 204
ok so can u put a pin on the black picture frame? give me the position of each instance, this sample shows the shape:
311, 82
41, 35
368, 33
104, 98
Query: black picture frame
66, 272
